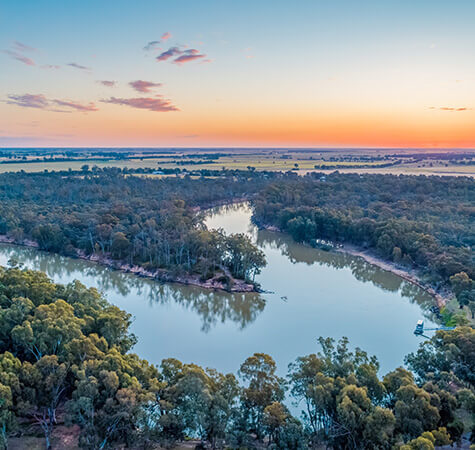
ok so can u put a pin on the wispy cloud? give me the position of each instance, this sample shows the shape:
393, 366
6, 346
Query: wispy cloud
19, 46
76, 105
188, 56
29, 101
172, 51
19, 57
157, 104
39, 101
449, 108
108, 83
78, 66
180, 56
143, 86
152, 45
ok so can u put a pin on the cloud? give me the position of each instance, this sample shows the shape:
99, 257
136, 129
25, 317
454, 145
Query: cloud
448, 108
39, 101
182, 56
152, 45
78, 66
29, 101
75, 105
108, 83
151, 103
188, 56
19, 57
143, 86
23, 47
172, 51
167, 35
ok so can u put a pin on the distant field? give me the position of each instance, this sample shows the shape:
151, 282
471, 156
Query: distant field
302, 161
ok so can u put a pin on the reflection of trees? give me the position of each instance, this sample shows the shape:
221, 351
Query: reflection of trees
242, 208
361, 269
57, 266
211, 306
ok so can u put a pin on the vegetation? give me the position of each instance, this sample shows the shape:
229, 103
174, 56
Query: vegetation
369, 160
131, 220
421, 222
65, 360
65, 353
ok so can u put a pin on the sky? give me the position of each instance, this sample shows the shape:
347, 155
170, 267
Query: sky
265, 73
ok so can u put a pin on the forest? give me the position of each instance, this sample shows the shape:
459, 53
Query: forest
149, 222
66, 364
125, 216
419, 222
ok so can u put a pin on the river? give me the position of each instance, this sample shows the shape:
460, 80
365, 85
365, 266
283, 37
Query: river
314, 293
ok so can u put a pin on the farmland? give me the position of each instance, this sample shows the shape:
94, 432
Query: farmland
395, 161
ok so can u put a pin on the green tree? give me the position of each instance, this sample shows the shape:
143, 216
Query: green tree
48, 329
264, 388
45, 383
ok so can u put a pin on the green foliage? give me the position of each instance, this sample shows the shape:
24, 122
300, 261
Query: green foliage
448, 353
68, 351
418, 221
264, 389
130, 220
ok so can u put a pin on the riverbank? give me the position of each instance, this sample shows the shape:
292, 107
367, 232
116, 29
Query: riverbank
441, 299
222, 280
406, 274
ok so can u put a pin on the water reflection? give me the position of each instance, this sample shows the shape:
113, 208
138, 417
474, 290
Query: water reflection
326, 294
215, 307
212, 306
361, 269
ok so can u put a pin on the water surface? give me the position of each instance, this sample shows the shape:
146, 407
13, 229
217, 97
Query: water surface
314, 293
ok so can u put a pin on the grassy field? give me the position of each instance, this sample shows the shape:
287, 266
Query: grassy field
303, 161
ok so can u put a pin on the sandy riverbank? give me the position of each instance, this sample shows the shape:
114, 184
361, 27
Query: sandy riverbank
371, 258
406, 274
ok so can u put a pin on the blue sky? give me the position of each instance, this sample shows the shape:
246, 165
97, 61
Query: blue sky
342, 73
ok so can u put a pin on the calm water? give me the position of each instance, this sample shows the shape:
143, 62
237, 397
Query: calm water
314, 293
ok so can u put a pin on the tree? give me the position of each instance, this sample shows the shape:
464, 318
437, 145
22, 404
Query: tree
309, 385
120, 245
48, 329
414, 412
45, 383
275, 416
460, 282
6, 415
109, 400
447, 352
264, 388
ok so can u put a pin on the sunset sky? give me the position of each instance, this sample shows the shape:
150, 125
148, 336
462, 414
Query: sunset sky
191, 73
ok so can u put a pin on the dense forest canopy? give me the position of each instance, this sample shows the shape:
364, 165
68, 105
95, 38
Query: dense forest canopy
417, 221
65, 360
136, 220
